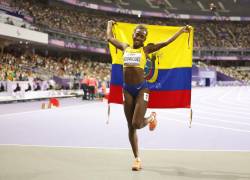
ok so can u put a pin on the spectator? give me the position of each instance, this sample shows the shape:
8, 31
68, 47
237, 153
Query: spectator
85, 87
18, 88
92, 87
2, 87
37, 86
28, 88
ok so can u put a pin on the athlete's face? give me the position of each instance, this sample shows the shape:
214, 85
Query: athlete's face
139, 37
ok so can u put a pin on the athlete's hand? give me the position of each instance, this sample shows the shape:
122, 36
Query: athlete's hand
186, 29
111, 22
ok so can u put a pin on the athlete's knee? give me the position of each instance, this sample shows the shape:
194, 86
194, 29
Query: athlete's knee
130, 127
136, 125
131, 130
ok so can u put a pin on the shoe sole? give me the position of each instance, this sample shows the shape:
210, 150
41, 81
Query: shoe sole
136, 169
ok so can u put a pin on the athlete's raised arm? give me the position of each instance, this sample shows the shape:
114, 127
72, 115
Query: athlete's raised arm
155, 47
110, 37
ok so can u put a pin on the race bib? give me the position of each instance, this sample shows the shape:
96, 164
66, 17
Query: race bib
132, 59
146, 97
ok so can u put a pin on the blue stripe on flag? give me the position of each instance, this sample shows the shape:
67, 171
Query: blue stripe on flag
168, 79
117, 74
173, 79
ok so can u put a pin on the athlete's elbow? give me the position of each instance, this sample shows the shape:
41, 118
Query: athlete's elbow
109, 38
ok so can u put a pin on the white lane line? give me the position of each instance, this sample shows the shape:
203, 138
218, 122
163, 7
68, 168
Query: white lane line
221, 108
204, 117
214, 104
234, 95
44, 110
199, 114
214, 126
230, 98
219, 115
222, 95
119, 148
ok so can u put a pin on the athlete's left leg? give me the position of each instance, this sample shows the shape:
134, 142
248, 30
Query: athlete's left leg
139, 121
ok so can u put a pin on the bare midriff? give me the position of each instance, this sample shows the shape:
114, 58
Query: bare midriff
133, 75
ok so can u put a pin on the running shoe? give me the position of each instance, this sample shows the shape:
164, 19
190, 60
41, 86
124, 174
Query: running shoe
136, 165
153, 122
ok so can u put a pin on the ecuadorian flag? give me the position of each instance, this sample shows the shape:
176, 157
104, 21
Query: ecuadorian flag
169, 78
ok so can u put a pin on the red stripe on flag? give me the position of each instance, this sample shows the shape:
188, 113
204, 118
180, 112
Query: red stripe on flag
157, 99
170, 99
115, 95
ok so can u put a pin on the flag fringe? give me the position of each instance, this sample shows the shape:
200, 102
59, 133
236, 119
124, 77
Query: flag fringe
190, 118
107, 122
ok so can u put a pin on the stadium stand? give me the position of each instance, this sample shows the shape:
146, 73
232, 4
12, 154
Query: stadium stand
208, 34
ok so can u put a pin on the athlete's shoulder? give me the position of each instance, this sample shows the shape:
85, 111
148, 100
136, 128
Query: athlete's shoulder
126, 46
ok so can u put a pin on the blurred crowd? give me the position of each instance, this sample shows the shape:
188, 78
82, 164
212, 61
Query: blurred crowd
235, 73
34, 68
207, 34
231, 71
8, 19
20, 68
13, 69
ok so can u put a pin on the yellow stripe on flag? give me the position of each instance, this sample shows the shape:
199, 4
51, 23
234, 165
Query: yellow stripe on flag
176, 55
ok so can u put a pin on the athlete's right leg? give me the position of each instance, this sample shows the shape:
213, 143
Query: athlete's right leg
129, 106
